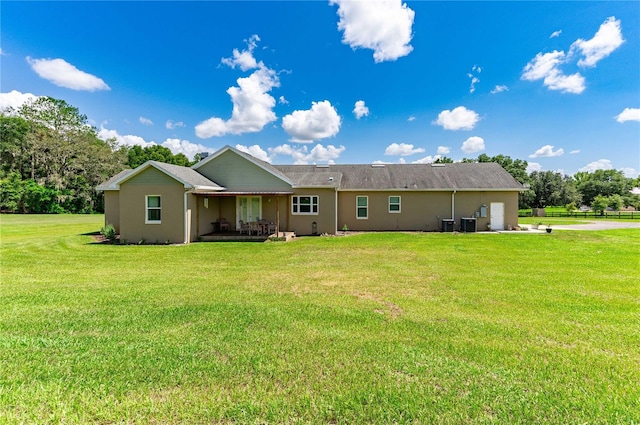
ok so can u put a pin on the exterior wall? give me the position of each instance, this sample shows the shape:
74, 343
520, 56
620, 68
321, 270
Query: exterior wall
219, 207
112, 208
419, 211
237, 174
270, 207
467, 203
325, 219
133, 194
422, 210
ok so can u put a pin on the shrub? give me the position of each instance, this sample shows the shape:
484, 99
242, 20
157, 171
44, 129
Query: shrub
109, 232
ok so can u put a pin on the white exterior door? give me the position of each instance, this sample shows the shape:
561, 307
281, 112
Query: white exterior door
497, 216
248, 208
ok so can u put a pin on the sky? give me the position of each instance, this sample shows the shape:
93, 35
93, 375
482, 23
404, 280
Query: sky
308, 82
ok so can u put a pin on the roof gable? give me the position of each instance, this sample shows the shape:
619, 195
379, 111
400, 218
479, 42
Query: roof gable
185, 175
239, 171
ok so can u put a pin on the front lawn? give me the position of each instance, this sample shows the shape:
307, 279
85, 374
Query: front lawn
372, 328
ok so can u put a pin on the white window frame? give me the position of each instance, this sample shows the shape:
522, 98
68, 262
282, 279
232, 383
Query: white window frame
295, 204
399, 204
366, 207
147, 208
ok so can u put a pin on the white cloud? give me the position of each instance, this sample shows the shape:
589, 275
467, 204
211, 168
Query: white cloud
176, 146
574, 152
459, 118
185, 147
474, 81
252, 106
499, 89
63, 74
126, 140
545, 67
360, 109
283, 100
533, 166
170, 125
411, 118
629, 114
244, 60
629, 172
252, 103
382, 26
474, 78
145, 121
604, 42
427, 159
301, 155
256, 151
15, 99
319, 122
443, 150
546, 151
473, 144
402, 149
601, 164
555, 34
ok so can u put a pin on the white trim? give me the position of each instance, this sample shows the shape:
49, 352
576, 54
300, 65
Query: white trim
311, 204
358, 207
146, 210
399, 203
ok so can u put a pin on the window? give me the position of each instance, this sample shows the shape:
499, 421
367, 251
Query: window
394, 204
362, 207
154, 210
304, 204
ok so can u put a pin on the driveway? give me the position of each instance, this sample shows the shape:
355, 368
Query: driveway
599, 225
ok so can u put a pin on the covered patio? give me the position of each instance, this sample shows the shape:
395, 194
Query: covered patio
241, 215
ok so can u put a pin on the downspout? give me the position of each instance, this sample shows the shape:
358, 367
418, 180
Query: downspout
186, 220
335, 212
453, 205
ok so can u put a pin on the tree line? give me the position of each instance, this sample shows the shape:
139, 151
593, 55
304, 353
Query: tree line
51, 160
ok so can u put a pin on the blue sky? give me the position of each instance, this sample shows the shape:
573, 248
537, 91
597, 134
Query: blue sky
553, 83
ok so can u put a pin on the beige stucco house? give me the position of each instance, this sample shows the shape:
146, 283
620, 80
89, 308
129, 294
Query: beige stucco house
169, 203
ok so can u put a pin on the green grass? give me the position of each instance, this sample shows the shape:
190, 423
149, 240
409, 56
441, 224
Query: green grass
373, 328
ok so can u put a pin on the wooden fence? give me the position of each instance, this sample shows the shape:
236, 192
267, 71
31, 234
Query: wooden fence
631, 215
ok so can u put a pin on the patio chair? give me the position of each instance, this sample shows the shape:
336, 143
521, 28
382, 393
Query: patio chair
243, 227
224, 225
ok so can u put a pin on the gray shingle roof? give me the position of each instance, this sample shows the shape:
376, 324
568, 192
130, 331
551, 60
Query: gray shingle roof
186, 174
459, 176
109, 184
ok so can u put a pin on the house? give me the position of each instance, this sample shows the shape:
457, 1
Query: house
164, 202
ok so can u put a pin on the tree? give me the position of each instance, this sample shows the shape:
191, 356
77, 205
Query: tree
601, 182
14, 152
615, 202
53, 159
599, 204
138, 156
